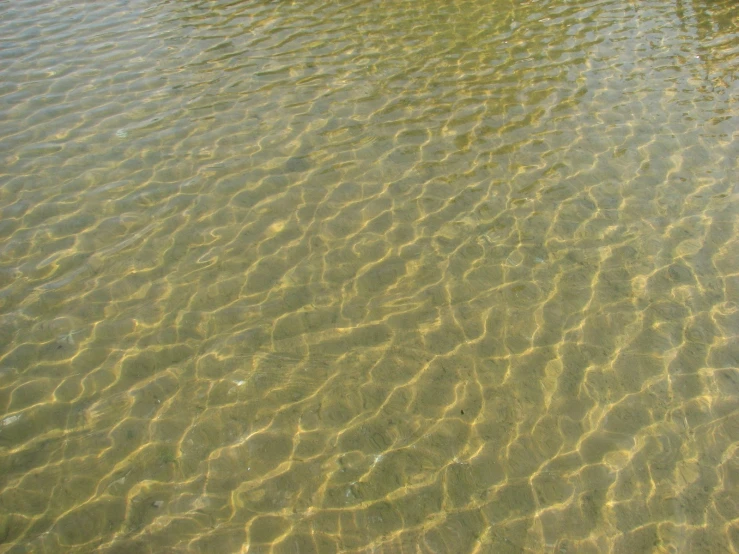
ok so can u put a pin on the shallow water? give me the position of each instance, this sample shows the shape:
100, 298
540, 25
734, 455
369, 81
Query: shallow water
370, 276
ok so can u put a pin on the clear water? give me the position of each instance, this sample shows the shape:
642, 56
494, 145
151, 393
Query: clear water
369, 276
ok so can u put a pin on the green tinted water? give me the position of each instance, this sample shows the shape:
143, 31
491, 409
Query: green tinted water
369, 276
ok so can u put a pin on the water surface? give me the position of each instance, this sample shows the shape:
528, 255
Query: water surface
369, 276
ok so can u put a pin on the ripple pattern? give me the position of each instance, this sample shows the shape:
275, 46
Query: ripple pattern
369, 276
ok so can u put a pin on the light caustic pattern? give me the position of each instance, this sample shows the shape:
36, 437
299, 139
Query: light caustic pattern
439, 276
